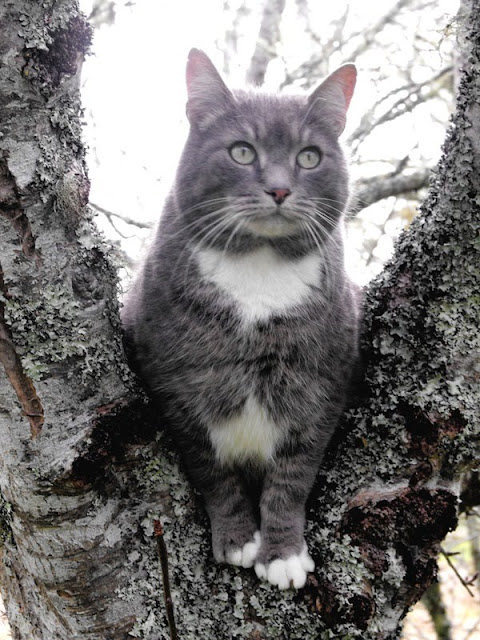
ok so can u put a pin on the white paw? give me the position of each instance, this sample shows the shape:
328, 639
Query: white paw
244, 557
289, 572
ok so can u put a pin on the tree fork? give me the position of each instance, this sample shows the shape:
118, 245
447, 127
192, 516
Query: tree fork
81, 558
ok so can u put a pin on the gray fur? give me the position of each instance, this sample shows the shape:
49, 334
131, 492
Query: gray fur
189, 345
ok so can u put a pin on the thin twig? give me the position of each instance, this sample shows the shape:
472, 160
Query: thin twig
465, 583
163, 556
126, 219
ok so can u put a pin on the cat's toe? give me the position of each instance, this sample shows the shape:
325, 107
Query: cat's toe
287, 572
306, 560
250, 551
245, 556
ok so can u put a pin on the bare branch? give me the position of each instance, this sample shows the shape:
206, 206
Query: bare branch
266, 43
466, 583
371, 190
105, 12
368, 36
228, 43
112, 214
310, 72
433, 601
337, 37
415, 95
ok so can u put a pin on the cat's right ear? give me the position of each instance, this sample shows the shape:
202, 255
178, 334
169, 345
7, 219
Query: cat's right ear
332, 97
207, 93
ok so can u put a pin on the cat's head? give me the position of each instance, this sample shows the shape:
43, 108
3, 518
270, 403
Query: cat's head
262, 168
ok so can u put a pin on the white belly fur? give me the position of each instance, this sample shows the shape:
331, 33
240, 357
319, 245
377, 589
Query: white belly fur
261, 282
250, 435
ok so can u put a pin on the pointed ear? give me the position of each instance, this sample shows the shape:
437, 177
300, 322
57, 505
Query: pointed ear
207, 92
333, 96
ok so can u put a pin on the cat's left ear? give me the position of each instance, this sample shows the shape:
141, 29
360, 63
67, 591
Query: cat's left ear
207, 93
333, 96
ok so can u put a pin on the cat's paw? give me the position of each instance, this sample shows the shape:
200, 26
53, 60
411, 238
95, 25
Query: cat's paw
244, 557
288, 572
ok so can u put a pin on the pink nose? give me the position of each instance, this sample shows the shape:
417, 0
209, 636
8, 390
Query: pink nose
279, 195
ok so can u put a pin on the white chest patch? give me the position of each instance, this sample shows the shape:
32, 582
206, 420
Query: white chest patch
250, 435
261, 282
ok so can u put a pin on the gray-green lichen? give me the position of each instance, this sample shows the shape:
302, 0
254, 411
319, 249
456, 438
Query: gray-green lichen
47, 329
53, 328
211, 600
5, 521
35, 32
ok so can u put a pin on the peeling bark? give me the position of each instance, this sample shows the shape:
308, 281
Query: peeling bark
11, 362
81, 500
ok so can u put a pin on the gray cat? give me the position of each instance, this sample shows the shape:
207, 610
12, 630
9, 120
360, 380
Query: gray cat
242, 322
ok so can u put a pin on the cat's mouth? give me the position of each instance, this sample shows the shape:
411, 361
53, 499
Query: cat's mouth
272, 225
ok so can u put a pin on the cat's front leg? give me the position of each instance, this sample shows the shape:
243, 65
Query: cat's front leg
283, 558
235, 535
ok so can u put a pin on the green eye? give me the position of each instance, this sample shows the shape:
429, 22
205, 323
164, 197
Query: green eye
243, 153
309, 158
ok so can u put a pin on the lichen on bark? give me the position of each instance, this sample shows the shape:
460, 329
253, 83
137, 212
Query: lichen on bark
61, 313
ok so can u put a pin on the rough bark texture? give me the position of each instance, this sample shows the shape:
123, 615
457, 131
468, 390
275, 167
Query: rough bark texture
66, 528
83, 474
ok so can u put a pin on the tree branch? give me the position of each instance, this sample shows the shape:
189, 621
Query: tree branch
432, 599
266, 43
112, 214
465, 583
371, 190
368, 36
309, 72
415, 95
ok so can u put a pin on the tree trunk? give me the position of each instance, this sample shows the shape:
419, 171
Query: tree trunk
85, 471
71, 527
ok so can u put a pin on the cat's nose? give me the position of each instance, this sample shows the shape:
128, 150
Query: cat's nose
279, 195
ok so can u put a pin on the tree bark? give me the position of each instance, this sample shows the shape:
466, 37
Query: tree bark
86, 471
67, 399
